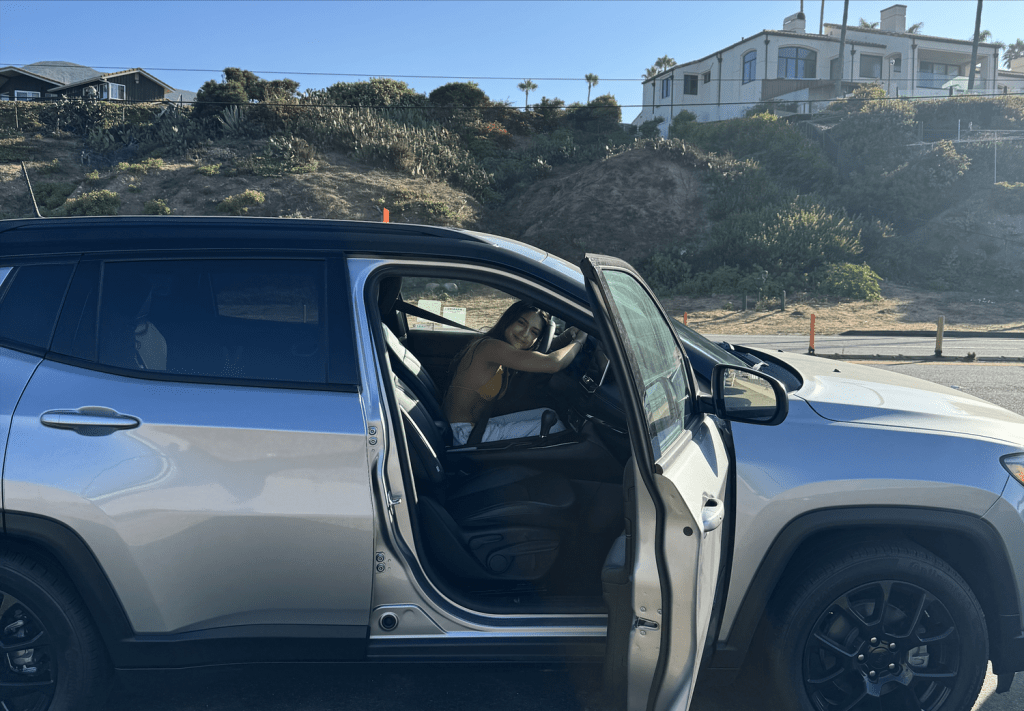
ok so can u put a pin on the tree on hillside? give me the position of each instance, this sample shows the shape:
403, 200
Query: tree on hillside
258, 89
591, 80
986, 36
1013, 51
378, 91
214, 96
459, 94
915, 29
864, 24
527, 86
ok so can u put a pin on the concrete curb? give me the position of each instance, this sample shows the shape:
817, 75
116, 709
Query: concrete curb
931, 334
924, 358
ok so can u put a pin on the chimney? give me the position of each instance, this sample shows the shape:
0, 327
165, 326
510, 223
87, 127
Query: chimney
795, 23
894, 19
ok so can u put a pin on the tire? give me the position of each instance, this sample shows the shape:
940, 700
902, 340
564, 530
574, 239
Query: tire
821, 650
66, 667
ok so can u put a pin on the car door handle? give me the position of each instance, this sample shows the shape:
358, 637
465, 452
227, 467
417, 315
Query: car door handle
712, 514
89, 420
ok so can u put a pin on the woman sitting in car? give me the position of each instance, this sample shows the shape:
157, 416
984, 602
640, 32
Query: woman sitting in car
484, 368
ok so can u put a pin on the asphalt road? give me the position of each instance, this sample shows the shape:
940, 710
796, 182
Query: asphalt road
324, 687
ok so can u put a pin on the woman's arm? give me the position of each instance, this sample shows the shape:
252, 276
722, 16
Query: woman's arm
505, 355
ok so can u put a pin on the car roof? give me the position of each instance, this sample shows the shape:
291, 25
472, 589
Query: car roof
137, 235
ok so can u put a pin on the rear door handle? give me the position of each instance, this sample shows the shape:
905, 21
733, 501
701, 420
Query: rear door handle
712, 514
89, 420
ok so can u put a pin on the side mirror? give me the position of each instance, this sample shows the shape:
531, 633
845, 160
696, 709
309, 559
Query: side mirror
745, 395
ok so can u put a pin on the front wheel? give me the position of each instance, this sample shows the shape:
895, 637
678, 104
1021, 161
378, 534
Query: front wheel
51, 657
881, 627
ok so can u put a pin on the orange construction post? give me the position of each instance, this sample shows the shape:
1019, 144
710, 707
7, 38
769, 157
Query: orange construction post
684, 318
810, 349
386, 216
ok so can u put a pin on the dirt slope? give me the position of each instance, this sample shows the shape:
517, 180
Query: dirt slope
628, 205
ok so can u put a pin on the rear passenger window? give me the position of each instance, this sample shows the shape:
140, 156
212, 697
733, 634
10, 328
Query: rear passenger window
223, 319
30, 301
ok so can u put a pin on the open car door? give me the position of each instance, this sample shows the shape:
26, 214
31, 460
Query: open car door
675, 488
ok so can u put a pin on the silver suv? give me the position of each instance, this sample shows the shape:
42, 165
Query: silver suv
223, 441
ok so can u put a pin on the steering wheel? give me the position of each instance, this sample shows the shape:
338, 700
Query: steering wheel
546, 338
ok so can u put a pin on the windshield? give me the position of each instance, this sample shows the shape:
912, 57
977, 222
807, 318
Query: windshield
696, 344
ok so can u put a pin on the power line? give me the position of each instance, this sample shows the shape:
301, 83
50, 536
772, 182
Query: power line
327, 74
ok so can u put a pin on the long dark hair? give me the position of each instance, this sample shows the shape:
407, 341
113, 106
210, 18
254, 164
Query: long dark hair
511, 315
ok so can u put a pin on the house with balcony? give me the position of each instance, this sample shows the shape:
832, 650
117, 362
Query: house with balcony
801, 72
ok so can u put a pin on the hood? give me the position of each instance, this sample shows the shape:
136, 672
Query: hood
846, 392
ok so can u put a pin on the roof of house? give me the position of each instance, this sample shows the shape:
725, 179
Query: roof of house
916, 35
180, 95
61, 72
781, 33
8, 72
112, 75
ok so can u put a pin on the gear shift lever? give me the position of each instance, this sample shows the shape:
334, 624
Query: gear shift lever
547, 421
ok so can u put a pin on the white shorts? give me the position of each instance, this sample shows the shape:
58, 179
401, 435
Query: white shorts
511, 426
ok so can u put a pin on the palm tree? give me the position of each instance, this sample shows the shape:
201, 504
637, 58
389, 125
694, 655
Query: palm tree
527, 86
864, 24
915, 29
664, 62
1013, 51
591, 80
650, 73
974, 48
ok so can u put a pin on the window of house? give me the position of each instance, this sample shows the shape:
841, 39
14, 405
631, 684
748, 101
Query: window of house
666, 87
797, 63
690, 84
706, 77
749, 66
870, 66
25, 95
112, 91
950, 70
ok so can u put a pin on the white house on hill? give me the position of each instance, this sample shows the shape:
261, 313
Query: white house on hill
801, 72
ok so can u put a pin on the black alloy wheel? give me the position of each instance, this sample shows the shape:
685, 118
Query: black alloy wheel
28, 672
51, 657
882, 628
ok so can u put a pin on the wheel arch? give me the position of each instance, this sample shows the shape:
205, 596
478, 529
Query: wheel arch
969, 544
55, 544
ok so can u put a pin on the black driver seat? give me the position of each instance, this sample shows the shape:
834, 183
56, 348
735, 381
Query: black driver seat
504, 523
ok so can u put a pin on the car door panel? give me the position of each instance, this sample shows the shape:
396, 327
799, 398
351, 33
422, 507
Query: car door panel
264, 491
680, 476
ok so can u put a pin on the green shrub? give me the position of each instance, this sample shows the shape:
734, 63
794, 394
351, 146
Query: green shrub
378, 91
459, 94
50, 196
240, 204
649, 129
142, 167
50, 167
1008, 197
14, 150
602, 115
849, 281
98, 202
210, 169
156, 207
92, 175
778, 147
682, 125
214, 96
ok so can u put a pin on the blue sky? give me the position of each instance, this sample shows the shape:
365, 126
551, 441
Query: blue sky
553, 43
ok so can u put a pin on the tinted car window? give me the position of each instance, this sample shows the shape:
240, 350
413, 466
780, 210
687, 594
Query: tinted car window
223, 319
30, 302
